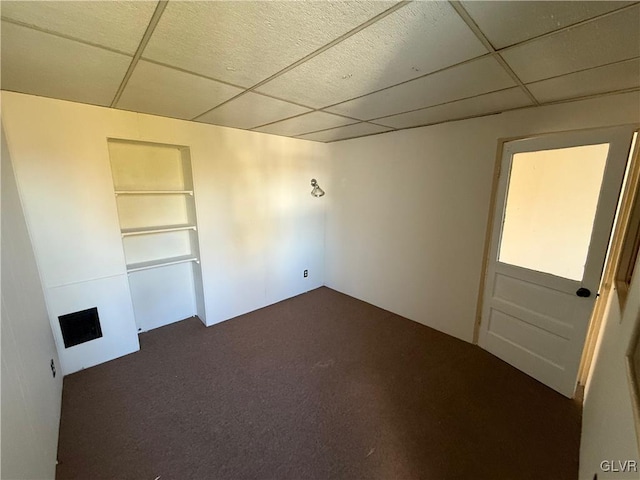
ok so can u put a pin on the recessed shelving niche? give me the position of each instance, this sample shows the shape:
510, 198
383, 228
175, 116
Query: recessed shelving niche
153, 187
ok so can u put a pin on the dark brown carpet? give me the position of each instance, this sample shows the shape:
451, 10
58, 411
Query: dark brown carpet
320, 386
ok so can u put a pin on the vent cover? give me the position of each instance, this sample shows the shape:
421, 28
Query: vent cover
80, 327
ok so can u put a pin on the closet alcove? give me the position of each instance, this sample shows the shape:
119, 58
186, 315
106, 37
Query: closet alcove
153, 187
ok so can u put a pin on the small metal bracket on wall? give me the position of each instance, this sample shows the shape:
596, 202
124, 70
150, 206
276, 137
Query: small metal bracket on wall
317, 191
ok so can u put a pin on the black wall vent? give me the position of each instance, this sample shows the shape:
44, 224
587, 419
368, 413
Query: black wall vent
80, 327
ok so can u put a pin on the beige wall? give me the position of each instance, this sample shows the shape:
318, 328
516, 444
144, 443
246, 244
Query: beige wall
608, 431
258, 225
31, 397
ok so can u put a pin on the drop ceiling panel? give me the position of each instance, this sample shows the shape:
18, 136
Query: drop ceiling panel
242, 43
510, 22
309, 122
246, 42
601, 41
251, 110
483, 104
417, 39
588, 82
42, 64
164, 91
473, 78
117, 25
351, 131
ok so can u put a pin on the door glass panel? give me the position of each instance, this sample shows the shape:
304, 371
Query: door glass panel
551, 205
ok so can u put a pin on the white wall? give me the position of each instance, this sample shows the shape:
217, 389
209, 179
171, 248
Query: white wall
31, 397
608, 431
258, 226
408, 210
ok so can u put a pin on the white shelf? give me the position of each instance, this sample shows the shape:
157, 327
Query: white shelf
154, 192
128, 232
155, 198
163, 262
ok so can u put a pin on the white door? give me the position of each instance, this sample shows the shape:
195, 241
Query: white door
555, 206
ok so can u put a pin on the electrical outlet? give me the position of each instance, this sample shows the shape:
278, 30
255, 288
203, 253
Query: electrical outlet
53, 368
305, 274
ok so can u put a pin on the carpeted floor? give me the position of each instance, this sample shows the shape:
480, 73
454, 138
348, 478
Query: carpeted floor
320, 386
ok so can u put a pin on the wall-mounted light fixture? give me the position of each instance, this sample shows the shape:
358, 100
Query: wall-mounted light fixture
317, 191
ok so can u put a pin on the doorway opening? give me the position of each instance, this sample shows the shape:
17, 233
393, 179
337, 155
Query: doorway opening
555, 200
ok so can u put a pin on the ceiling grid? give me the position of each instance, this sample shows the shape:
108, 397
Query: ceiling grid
485, 41
318, 51
321, 71
155, 18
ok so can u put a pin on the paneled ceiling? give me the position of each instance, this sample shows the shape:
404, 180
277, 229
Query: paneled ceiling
320, 70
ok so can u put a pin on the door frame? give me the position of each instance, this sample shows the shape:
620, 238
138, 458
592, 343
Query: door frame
598, 310
628, 198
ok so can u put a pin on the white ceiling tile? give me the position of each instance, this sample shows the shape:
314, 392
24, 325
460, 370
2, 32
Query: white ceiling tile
246, 42
601, 41
43, 64
420, 38
251, 110
309, 122
164, 91
118, 25
481, 105
473, 78
508, 22
351, 131
597, 80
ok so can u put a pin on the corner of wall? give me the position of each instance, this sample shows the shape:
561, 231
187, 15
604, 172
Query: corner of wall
31, 393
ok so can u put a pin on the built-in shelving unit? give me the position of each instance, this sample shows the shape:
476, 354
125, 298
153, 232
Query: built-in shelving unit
153, 188
136, 267
127, 232
154, 192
